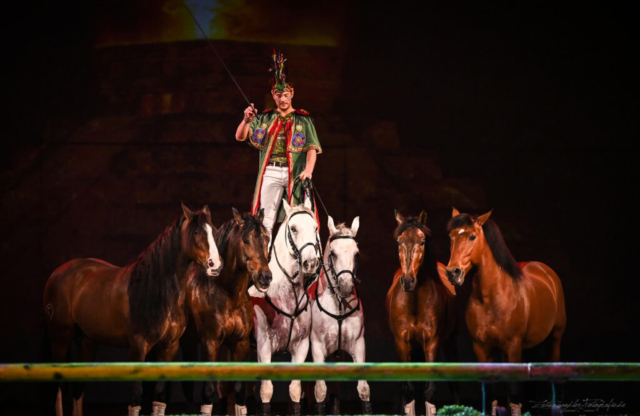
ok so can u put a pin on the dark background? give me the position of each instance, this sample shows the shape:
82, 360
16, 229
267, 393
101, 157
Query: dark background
526, 109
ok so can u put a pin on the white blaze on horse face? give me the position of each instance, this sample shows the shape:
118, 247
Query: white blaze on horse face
461, 231
213, 252
306, 231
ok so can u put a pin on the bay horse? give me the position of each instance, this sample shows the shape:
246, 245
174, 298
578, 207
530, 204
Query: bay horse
511, 306
282, 314
421, 305
221, 309
138, 306
336, 311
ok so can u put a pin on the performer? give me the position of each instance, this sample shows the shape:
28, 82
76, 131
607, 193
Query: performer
288, 146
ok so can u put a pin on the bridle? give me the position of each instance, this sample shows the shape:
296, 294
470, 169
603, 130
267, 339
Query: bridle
296, 253
341, 316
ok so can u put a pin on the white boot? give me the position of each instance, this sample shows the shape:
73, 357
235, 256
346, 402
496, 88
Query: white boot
241, 410
431, 409
158, 409
410, 408
206, 409
134, 411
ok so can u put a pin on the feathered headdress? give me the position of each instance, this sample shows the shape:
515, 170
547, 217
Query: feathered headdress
279, 72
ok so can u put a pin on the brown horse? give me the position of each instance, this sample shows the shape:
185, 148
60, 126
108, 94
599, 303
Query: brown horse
421, 304
512, 306
222, 310
138, 306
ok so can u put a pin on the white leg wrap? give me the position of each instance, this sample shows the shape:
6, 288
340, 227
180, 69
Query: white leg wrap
206, 409
158, 409
241, 410
410, 408
134, 411
516, 409
431, 409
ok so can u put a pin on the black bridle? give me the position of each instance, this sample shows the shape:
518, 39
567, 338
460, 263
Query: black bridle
342, 316
297, 255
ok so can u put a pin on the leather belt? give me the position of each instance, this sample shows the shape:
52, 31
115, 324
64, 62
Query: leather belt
279, 164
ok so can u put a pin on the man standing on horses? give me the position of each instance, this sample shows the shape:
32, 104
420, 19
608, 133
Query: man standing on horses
288, 145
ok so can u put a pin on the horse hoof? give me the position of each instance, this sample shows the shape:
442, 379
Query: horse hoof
296, 409
516, 409
320, 408
206, 409
158, 409
367, 409
134, 410
265, 409
431, 409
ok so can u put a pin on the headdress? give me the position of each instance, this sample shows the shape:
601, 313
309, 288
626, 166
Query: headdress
279, 72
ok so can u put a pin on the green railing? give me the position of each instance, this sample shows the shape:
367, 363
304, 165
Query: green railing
327, 371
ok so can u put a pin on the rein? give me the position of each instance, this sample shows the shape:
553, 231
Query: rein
342, 316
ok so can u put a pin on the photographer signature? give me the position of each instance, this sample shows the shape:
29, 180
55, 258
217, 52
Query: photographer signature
580, 405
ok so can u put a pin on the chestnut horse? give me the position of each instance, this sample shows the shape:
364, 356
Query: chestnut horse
221, 309
138, 306
512, 306
421, 305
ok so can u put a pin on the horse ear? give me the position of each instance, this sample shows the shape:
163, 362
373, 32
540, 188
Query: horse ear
187, 212
207, 212
331, 225
355, 225
307, 203
483, 218
260, 214
287, 207
454, 213
423, 217
237, 217
399, 217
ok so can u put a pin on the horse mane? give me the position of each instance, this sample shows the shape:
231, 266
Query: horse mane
430, 258
495, 240
153, 285
230, 229
343, 230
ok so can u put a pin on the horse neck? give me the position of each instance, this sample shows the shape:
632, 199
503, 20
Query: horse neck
234, 278
281, 288
490, 280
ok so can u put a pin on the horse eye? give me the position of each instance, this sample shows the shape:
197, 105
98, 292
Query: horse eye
473, 237
294, 229
421, 243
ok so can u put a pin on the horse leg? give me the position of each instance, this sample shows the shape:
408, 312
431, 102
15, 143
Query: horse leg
451, 356
266, 386
514, 355
137, 352
553, 355
189, 354
430, 351
87, 355
358, 354
408, 394
210, 390
61, 337
484, 356
295, 388
240, 352
160, 396
319, 352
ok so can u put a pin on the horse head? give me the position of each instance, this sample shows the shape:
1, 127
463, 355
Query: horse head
197, 240
301, 237
341, 256
467, 244
252, 247
412, 236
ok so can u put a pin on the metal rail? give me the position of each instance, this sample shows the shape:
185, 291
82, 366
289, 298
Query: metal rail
486, 372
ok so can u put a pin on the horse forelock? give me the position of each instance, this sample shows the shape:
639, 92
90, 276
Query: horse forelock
430, 256
409, 223
153, 286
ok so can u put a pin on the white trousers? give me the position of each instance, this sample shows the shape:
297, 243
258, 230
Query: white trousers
274, 186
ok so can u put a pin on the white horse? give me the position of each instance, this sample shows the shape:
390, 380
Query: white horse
338, 318
283, 319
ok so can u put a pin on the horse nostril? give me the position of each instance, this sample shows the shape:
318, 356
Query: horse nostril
210, 263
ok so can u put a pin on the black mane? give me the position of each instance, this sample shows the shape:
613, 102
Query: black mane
430, 252
153, 286
225, 233
494, 239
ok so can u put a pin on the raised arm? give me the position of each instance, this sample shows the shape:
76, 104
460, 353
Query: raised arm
242, 133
